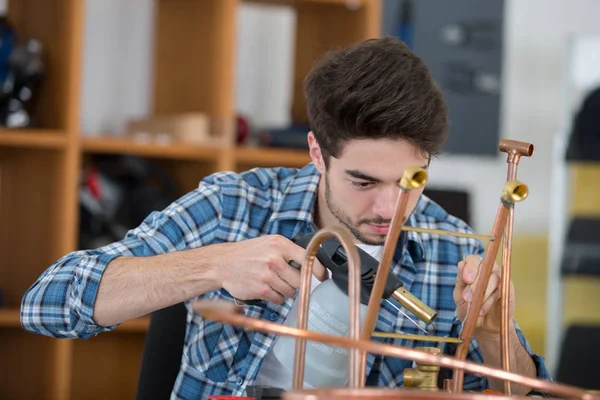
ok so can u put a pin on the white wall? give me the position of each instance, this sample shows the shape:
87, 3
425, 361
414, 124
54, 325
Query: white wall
116, 73
117, 63
533, 105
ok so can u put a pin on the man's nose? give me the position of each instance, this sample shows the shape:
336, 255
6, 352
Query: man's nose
385, 204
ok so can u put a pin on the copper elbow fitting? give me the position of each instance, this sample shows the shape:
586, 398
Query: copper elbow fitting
424, 376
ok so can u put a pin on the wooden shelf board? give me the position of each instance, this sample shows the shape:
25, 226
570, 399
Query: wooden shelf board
136, 325
104, 145
10, 317
272, 156
34, 138
353, 4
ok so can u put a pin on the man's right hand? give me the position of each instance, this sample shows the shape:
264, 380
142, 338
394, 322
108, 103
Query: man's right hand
259, 268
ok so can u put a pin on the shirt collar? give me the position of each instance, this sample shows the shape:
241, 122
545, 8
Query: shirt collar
299, 199
416, 247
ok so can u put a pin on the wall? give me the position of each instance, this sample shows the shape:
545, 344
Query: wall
117, 70
536, 33
117, 64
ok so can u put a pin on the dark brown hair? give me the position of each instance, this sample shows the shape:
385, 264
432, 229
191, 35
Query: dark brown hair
375, 89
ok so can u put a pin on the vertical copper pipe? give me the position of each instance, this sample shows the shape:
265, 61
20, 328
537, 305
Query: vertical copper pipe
505, 287
412, 178
354, 281
513, 191
514, 150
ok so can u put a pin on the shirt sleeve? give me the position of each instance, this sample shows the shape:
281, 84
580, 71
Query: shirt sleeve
61, 302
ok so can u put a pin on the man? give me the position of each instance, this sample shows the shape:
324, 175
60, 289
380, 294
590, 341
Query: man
374, 111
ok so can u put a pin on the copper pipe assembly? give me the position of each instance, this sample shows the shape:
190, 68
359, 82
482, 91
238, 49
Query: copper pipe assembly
229, 313
514, 191
354, 283
413, 178
515, 150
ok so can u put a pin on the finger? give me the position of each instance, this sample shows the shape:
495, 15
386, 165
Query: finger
470, 270
460, 284
286, 272
267, 293
293, 252
280, 285
319, 271
493, 284
489, 302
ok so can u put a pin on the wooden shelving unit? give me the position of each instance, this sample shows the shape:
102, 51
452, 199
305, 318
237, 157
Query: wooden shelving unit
40, 167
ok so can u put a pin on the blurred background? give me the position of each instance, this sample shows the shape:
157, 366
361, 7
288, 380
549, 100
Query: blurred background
111, 109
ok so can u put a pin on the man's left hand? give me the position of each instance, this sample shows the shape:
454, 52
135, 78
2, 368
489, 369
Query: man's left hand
467, 281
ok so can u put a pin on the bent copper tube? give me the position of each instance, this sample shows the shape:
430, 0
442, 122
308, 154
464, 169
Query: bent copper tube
354, 283
413, 178
514, 191
385, 394
229, 313
515, 151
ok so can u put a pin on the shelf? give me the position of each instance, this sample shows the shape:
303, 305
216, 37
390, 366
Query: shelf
106, 366
351, 4
103, 145
10, 318
136, 325
49, 139
272, 156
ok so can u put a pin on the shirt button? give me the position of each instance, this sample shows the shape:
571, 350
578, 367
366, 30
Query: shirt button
240, 381
274, 317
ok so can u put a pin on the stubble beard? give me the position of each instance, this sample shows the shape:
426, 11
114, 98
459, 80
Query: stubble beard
345, 220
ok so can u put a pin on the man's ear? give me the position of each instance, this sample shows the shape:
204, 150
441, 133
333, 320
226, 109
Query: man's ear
315, 153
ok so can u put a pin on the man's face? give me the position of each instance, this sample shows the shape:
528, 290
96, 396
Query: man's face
360, 188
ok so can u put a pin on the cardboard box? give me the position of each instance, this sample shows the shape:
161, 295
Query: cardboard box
193, 128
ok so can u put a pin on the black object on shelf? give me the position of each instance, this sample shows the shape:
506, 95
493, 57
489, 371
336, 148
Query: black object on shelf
578, 363
581, 255
584, 141
455, 202
292, 137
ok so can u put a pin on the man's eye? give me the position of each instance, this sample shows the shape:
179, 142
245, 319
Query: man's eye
361, 185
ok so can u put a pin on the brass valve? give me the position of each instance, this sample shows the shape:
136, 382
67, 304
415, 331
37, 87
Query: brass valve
423, 376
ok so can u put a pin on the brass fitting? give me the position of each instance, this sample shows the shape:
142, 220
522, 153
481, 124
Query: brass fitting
423, 377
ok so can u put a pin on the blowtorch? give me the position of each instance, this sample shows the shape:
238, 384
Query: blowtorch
332, 256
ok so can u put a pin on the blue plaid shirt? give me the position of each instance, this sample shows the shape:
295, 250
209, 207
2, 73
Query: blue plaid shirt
229, 207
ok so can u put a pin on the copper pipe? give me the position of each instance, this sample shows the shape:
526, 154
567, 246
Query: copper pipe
354, 284
413, 178
410, 336
447, 233
386, 394
514, 191
515, 151
229, 313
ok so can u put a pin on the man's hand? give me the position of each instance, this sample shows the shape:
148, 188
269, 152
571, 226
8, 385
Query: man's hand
489, 321
467, 281
259, 268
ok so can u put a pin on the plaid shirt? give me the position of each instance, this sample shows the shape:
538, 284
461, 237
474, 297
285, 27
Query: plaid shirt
229, 207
